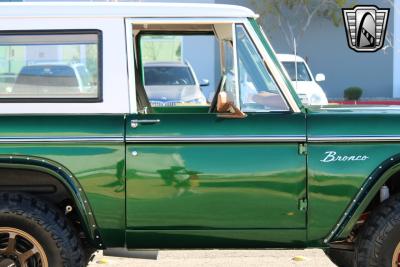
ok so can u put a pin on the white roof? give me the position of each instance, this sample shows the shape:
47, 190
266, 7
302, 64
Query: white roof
289, 57
122, 9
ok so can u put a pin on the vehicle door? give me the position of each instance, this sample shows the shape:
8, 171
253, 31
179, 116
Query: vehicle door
197, 177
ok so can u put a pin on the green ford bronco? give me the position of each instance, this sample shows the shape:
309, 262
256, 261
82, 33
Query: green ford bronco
131, 128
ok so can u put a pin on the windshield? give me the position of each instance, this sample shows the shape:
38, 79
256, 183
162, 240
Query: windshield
163, 75
302, 73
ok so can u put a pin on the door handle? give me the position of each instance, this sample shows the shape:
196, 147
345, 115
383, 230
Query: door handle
136, 123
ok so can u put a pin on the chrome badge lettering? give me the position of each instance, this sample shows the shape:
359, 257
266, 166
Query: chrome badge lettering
332, 156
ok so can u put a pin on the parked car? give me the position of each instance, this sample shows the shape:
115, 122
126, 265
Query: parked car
52, 79
181, 80
254, 168
308, 89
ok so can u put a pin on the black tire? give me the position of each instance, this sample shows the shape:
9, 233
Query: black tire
379, 237
341, 258
44, 223
90, 253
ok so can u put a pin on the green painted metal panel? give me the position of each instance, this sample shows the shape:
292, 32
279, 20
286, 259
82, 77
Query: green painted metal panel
333, 185
222, 239
209, 186
98, 167
214, 186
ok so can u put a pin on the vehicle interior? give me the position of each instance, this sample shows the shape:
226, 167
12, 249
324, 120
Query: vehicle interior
222, 54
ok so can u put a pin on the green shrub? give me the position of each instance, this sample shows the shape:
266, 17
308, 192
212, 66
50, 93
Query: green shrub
353, 93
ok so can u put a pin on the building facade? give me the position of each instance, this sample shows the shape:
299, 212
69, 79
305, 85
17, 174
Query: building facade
325, 48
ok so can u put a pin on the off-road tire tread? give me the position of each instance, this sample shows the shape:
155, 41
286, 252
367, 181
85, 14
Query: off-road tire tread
372, 235
50, 220
340, 258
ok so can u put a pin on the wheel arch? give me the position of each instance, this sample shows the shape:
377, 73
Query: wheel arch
66, 178
367, 193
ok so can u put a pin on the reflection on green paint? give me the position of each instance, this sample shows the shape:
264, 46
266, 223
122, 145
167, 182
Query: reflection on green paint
332, 186
98, 167
215, 186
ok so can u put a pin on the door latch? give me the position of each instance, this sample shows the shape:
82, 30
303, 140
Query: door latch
135, 123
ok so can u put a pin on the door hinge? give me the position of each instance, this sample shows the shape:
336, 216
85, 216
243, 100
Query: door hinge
303, 204
303, 149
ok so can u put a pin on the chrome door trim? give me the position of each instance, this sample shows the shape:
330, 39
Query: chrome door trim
353, 138
217, 139
86, 139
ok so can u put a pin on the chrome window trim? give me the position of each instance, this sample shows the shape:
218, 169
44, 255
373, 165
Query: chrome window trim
275, 72
85, 139
217, 139
353, 138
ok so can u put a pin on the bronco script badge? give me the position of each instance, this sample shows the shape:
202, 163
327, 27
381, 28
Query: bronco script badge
332, 156
366, 27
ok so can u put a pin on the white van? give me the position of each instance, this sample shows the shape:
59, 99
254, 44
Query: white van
306, 86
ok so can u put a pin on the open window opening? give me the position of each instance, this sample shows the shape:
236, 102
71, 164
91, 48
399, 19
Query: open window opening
201, 68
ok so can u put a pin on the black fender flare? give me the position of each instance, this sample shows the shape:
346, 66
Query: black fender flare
363, 198
66, 177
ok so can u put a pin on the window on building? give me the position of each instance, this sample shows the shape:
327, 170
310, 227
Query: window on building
50, 67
